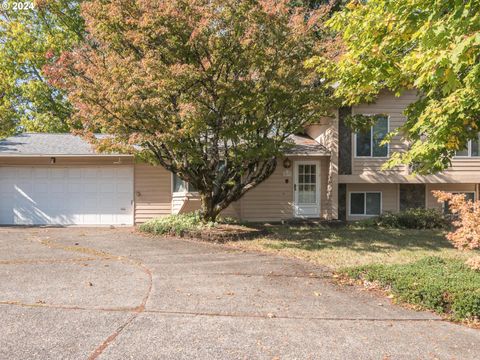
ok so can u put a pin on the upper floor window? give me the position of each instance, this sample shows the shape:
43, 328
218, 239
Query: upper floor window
180, 186
368, 143
472, 149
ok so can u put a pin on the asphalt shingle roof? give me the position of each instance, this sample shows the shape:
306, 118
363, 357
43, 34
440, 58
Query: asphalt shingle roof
305, 145
68, 144
45, 144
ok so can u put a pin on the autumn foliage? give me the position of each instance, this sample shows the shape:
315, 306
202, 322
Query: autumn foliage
211, 90
466, 219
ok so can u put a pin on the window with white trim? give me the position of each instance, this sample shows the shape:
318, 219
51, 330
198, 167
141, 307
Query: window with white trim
472, 149
368, 143
365, 203
180, 186
469, 195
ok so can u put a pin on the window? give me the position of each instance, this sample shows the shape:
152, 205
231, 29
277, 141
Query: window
367, 144
182, 186
365, 203
469, 195
472, 149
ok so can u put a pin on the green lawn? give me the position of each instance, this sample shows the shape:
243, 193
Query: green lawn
351, 245
419, 267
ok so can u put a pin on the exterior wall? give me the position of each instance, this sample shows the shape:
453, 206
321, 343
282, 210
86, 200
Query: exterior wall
463, 170
153, 192
391, 200
326, 132
273, 199
432, 202
390, 197
270, 200
393, 107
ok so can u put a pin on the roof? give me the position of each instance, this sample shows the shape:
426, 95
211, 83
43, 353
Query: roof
305, 145
69, 144
45, 144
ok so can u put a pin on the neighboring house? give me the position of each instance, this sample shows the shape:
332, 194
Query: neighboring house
330, 173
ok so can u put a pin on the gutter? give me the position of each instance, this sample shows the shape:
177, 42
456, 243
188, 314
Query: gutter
64, 155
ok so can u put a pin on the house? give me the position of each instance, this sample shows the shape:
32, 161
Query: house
330, 173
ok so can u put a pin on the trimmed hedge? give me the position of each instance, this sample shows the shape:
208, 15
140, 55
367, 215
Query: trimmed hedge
409, 219
446, 286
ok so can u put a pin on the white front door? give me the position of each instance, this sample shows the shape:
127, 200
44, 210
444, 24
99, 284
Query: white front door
66, 195
307, 189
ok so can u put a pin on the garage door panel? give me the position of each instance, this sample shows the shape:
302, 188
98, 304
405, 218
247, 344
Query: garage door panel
83, 195
74, 173
40, 173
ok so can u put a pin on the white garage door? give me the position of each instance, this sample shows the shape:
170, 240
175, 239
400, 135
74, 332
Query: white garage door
66, 195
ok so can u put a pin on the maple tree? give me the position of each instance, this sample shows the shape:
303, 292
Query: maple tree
430, 46
30, 39
210, 90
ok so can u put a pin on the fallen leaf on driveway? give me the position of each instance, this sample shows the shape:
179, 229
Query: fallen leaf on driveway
316, 293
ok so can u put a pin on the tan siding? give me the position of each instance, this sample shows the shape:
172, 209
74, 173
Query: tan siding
153, 192
432, 202
387, 103
233, 210
392, 106
389, 197
273, 199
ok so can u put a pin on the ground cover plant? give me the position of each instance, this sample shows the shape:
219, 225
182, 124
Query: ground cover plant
446, 286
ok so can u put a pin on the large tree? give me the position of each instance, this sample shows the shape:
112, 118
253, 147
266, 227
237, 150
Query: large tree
209, 89
432, 46
31, 38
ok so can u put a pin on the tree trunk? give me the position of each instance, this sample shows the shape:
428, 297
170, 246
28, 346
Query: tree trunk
209, 210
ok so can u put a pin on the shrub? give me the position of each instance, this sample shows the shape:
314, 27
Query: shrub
175, 224
466, 220
409, 219
474, 263
446, 286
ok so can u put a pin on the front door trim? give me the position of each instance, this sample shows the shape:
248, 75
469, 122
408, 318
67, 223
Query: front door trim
306, 211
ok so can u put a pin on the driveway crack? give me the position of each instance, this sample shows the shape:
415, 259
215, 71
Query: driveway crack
123, 259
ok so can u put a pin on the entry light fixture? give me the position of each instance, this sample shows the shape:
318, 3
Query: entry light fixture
53, 160
287, 163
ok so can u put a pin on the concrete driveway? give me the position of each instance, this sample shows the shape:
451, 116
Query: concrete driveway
87, 293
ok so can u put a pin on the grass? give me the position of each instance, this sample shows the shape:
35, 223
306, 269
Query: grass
351, 245
446, 286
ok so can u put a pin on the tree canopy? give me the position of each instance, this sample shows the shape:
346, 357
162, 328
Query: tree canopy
211, 90
431, 46
29, 40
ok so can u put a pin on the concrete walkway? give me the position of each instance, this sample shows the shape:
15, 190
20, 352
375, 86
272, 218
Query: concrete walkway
88, 293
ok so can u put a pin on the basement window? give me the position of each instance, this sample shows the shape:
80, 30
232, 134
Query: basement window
365, 203
469, 195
